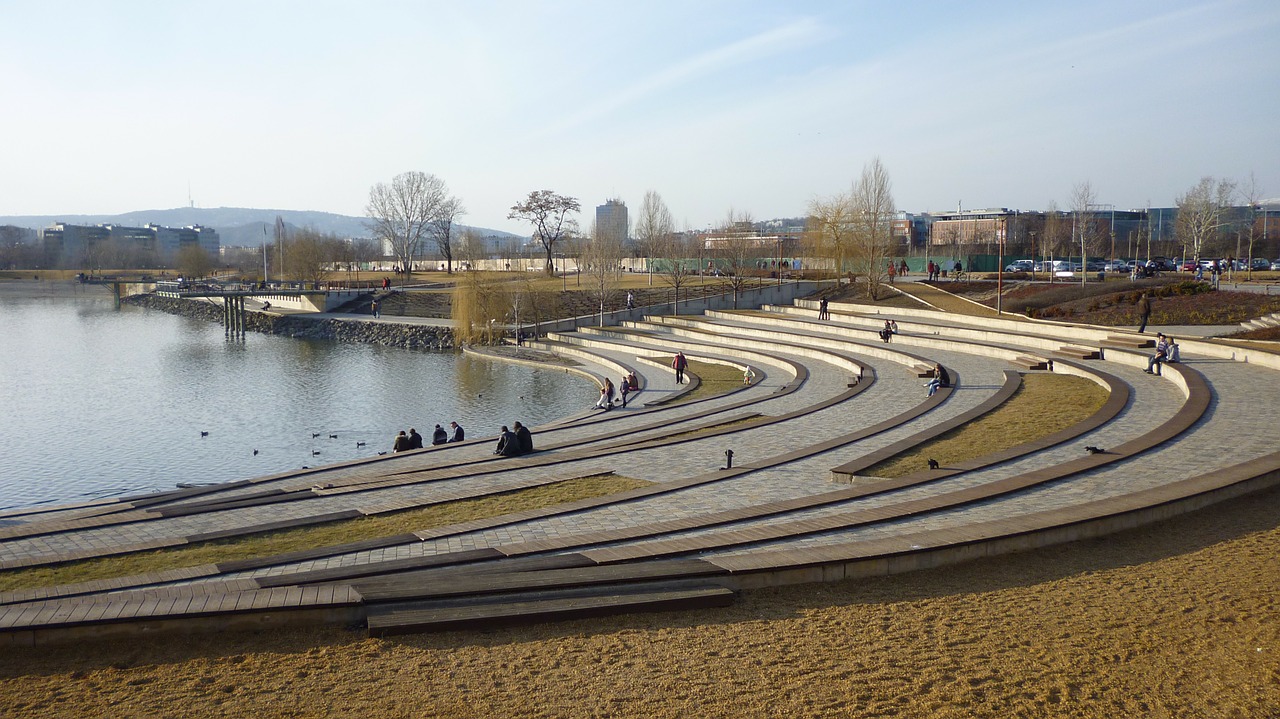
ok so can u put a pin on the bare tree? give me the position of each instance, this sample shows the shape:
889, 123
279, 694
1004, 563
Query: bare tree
602, 260
654, 224
441, 229
738, 249
873, 212
1252, 195
1083, 198
193, 261
830, 230
548, 212
363, 250
1201, 211
311, 253
664, 247
402, 213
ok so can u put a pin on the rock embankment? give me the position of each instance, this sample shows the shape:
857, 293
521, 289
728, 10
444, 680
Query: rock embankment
311, 328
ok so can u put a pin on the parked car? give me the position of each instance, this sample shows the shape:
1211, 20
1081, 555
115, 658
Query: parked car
1188, 266
1020, 266
1161, 264
1260, 263
1117, 266
1275, 264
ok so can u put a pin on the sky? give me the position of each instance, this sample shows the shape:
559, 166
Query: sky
756, 107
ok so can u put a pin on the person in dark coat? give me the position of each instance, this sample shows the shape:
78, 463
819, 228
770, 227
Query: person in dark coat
524, 437
401, 443
679, 364
940, 379
415, 439
458, 434
439, 436
1144, 311
508, 443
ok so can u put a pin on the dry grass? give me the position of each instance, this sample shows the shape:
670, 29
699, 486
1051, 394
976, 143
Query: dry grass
1044, 404
1174, 620
714, 379
324, 535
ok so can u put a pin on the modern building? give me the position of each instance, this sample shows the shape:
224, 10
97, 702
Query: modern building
73, 244
612, 221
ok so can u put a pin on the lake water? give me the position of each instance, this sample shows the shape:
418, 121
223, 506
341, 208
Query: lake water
98, 401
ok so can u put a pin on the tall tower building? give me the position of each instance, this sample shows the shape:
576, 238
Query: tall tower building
611, 220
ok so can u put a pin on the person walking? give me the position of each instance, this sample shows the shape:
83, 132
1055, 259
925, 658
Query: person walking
1144, 311
893, 270
631, 301
458, 434
374, 308
679, 364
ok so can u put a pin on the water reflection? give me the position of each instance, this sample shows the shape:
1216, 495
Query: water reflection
107, 401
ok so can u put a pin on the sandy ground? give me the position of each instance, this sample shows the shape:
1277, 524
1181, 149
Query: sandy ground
1177, 620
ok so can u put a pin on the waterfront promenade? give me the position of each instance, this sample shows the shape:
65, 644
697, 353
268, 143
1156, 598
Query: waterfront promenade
828, 399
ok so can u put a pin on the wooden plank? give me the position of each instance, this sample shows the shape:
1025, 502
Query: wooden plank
406, 620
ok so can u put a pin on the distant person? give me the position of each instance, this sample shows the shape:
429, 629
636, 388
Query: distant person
823, 312
903, 269
886, 332
415, 439
603, 402
609, 391
624, 388
940, 379
458, 434
508, 444
893, 271
523, 437
679, 364
1144, 311
1173, 354
402, 443
748, 375
631, 301
957, 268
439, 436
632, 382
266, 306
374, 308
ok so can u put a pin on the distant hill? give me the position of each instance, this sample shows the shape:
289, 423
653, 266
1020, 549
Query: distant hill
236, 226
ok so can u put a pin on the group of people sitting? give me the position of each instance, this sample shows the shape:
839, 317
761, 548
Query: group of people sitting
412, 440
626, 385
889, 330
1166, 351
513, 443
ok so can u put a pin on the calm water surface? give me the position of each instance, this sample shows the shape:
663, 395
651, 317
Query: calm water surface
96, 401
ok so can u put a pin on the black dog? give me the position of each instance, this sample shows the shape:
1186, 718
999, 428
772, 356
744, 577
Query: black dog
1094, 450
933, 464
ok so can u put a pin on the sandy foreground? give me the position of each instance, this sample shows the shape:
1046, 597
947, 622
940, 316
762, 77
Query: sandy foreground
1176, 620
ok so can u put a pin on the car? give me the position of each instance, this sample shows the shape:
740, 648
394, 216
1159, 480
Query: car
1259, 263
1188, 266
1020, 266
1117, 266
1275, 264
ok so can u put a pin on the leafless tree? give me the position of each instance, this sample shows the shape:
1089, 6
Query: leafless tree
363, 250
311, 253
193, 261
738, 249
1201, 211
441, 229
402, 213
549, 214
1252, 195
873, 212
830, 230
602, 260
665, 248
653, 225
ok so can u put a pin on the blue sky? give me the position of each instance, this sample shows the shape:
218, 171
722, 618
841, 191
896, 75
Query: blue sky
756, 106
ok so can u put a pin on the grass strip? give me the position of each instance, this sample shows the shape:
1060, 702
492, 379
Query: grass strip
290, 540
716, 379
1044, 404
